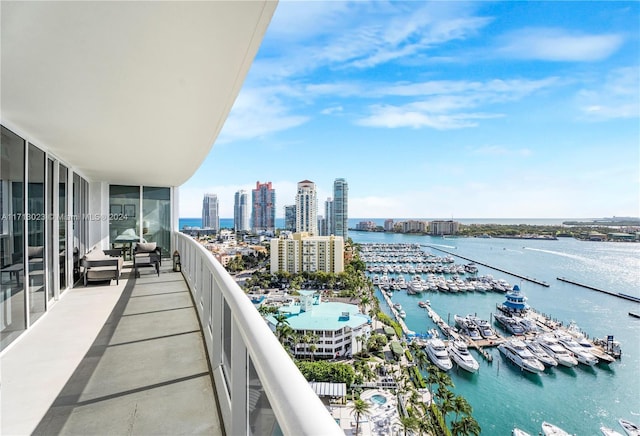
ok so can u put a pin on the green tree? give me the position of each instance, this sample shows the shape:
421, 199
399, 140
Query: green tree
359, 408
409, 423
465, 427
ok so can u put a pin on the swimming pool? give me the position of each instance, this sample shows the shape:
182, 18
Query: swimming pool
378, 399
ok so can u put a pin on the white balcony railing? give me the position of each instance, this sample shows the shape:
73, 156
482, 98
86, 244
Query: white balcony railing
259, 388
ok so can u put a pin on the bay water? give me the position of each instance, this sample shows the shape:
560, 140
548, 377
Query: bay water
579, 399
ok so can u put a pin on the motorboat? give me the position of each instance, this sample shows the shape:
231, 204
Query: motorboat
540, 354
557, 351
629, 427
606, 431
467, 327
397, 306
579, 353
459, 353
517, 432
402, 313
486, 331
528, 324
437, 353
516, 351
553, 430
415, 285
510, 324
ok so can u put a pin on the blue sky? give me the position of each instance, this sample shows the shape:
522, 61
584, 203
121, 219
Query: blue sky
439, 110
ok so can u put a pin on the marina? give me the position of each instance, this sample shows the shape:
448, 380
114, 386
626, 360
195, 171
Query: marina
523, 277
523, 387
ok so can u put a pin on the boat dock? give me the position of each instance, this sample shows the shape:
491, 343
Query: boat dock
529, 279
450, 333
399, 319
593, 288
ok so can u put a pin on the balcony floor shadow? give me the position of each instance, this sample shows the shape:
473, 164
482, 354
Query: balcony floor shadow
145, 373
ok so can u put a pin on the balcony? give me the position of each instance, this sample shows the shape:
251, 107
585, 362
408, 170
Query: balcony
175, 354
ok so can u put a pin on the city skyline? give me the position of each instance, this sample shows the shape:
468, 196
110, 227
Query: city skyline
446, 109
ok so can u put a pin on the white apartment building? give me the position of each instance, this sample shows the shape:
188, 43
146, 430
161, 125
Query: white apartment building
301, 252
448, 227
333, 327
307, 208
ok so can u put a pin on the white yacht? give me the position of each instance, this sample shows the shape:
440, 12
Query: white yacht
509, 323
516, 351
484, 326
606, 431
437, 353
557, 351
579, 353
459, 353
517, 432
629, 427
553, 430
540, 354
415, 285
401, 282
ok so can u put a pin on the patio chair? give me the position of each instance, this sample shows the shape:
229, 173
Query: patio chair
146, 254
102, 265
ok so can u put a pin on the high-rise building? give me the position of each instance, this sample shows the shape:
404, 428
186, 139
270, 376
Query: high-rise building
340, 216
448, 227
263, 211
210, 217
307, 208
241, 211
302, 252
328, 222
290, 217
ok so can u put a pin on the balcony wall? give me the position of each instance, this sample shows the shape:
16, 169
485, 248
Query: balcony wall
260, 390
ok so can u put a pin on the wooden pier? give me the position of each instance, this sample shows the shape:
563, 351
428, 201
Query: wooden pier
520, 276
593, 288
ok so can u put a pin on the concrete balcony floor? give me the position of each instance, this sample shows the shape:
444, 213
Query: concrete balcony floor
126, 359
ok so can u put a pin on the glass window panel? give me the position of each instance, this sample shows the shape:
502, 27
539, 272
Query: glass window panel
51, 253
12, 295
262, 420
124, 217
35, 231
62, 225
156, 222
226, 342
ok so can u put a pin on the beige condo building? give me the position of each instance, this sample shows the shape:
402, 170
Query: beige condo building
300, 252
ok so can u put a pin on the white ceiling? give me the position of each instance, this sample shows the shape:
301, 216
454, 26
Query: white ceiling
126, 92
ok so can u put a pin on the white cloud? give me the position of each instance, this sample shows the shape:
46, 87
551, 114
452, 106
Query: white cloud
259, 112
332, 110
448, 104
552, 44
617, 97
410, 116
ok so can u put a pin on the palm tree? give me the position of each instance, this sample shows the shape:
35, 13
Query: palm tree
465, 427
461, 405
446, 404
360, 407
409, 423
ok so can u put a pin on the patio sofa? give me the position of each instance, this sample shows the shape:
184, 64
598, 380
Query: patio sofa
102, 265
